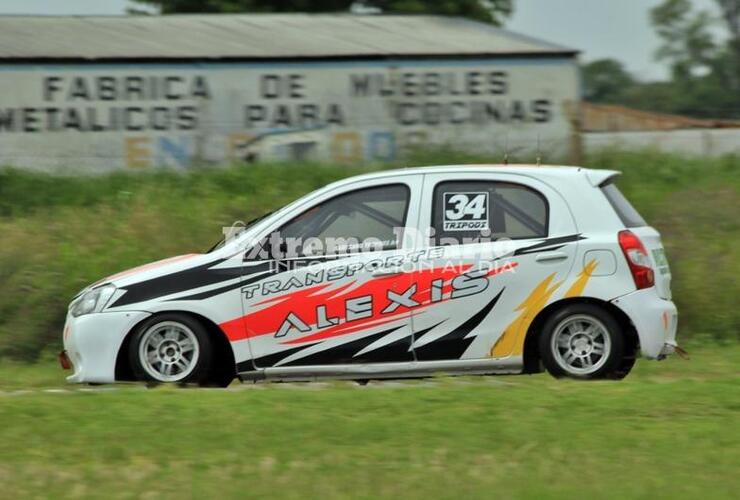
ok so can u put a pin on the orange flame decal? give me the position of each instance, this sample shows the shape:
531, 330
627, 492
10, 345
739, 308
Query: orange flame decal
512, 340
576, 289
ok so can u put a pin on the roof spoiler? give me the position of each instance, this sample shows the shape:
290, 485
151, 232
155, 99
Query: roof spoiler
601, 177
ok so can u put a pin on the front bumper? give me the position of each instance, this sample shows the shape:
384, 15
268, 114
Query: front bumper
655, 320
92, 342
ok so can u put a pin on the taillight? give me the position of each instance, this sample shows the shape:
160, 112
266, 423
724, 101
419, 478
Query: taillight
637, 259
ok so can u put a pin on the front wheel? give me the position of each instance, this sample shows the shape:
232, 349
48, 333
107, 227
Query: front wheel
171, 348
582, 341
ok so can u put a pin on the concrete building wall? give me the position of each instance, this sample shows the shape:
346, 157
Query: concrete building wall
698, 142
103, 117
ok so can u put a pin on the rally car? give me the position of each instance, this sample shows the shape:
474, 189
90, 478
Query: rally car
457, 269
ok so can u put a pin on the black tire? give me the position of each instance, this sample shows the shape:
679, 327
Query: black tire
222, 374
571, 324
197, 372
625, 367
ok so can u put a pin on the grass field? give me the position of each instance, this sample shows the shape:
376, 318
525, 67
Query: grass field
670, 430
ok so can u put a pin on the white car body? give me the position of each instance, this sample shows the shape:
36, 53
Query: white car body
318, 321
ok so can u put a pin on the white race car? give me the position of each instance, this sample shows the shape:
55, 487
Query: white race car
405, 273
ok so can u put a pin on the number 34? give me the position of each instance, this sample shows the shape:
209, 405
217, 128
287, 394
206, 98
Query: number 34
463, 206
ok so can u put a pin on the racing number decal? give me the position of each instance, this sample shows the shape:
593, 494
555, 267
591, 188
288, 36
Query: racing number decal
466, 211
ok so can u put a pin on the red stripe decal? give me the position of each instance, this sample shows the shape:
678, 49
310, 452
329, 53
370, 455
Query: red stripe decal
303, 303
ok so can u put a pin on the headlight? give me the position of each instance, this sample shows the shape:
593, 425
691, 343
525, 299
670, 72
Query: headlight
92, 301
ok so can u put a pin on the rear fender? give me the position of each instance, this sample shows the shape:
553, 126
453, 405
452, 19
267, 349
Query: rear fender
531, 351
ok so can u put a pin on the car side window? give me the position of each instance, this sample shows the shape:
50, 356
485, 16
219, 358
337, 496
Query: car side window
467, 211
360, 220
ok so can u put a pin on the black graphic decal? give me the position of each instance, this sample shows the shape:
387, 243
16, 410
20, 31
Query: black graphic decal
209, 293
344, 353
549, 244
196, 277
269, 360
454, 344
396, 351
180, 281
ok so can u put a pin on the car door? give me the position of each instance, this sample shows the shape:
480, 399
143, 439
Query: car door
325, 299
503, 242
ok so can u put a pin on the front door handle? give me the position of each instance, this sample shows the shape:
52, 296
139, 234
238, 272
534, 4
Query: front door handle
386, 272
551, 256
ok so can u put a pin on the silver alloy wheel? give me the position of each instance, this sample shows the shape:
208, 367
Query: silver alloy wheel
169, 351
580, 344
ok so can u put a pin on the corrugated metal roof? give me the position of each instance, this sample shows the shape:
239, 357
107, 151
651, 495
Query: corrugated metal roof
258, 36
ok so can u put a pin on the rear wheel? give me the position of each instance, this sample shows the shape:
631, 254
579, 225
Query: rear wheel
172, 348
582, 341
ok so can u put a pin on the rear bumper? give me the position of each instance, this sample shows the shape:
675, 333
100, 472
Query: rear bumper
668, 349
92, 342
655, 320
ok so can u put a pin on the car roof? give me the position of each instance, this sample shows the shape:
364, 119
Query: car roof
595, 176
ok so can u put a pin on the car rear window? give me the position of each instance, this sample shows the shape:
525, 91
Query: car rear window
624, 209
474, 209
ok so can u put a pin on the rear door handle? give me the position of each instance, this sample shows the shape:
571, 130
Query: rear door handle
551, 256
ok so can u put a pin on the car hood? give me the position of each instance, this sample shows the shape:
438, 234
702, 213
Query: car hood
151, 270
176, 277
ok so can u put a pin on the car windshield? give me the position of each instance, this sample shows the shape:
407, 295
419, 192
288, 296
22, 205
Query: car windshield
246, 226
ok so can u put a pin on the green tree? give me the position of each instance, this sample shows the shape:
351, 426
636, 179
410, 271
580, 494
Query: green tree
706, 73
606, 81
687, 42
731, 14
661, 97
490, 11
